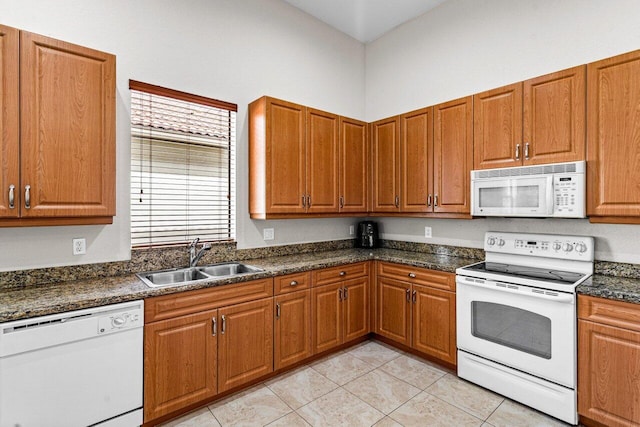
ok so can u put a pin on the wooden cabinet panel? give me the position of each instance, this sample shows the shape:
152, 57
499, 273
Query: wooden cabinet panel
418, 275
9, 122
394, 310
608, 374
385, 138
322, 161
354, 166
291, 283
179, 363
434, 323
334, 274
453, 156
416, 160
554, 117
613, 136
497, 127
613, 313
292, 328
326, 317
67, 101
245, 343
355, 308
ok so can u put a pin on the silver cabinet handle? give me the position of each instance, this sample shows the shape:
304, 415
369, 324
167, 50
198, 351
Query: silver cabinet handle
308, 201
346, 293
435, 200
429, 200
526, 151
214, 326
342, 273
278, 311
340, 294
517, 151
412, 275
341, 202
408, 293
27, 196
397, 201
304, 201
293, 283
415, 297
12, 196
223, 327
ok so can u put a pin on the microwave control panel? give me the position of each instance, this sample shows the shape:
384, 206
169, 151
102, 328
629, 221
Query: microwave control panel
568, 195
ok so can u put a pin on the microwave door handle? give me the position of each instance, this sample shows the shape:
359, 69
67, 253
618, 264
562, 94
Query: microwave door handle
550, 195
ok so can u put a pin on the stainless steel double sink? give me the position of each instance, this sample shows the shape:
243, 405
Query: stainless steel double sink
180, 276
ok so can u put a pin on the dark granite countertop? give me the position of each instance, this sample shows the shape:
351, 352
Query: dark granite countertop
611, 287
40, 300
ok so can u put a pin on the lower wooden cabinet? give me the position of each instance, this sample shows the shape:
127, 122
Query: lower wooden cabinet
416, 307
292, 328
340, 313
180, 357
245, 343
609, 361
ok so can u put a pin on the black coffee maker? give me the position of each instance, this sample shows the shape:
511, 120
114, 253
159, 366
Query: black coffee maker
367, 236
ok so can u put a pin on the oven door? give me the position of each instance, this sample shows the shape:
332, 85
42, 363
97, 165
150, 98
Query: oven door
518, 326
513, 196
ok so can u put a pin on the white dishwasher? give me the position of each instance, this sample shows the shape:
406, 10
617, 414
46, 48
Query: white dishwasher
79, 368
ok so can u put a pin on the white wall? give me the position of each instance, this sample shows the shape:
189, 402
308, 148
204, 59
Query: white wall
232, 50
467, 46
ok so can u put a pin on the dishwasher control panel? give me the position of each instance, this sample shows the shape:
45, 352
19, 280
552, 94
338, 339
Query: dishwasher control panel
120, 320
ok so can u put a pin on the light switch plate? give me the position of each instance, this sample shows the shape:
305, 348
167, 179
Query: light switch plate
268, 234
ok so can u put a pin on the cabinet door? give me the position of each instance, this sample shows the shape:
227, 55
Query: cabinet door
245, 344
179, 363
394, 310
497, 127
322, 161
613, 135
608, 370
385, 135
355, 306
285, 157
292, 328
452, 156
434, 322
67, 99
326, 315
416, 160
9, 122
354, 166
553, 117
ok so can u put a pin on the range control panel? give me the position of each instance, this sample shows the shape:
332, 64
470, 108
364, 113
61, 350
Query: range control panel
545, 245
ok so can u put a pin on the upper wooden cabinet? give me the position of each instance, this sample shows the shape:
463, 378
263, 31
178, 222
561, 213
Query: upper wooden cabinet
304, 161
385, 182
613, 139
416, 160
66, 143
535, 122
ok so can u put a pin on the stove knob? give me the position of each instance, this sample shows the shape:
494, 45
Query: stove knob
581, 247
491, 241
567, 247
500, 242
557, 246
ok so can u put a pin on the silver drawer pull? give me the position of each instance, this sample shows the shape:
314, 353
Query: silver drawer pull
278, 311
346, 293
517, 151
412, 275
526, 151
429, 200
27, 196
224, 325
293, 283
415, 296
12, 196
343, 273
435, 200
214, 326
408, 293
340, 294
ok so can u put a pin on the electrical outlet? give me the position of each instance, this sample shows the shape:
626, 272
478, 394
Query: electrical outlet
268, 234
79, 246
427, 232
352, 230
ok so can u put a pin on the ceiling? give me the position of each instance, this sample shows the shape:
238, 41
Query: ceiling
365, 20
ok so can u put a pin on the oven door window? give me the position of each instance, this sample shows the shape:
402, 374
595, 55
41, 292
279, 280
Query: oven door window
512, 327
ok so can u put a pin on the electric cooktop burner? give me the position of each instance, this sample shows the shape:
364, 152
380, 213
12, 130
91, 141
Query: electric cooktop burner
552, 276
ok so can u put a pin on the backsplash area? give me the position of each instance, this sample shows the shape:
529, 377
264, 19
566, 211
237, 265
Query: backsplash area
171, 257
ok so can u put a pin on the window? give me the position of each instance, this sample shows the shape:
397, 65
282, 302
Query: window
182, 167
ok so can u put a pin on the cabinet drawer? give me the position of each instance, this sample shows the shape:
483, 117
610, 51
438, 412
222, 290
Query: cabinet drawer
291, 283
418, 275
609, 312
341, 272
169, 306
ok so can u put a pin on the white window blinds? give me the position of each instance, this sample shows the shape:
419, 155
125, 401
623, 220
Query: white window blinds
182, 167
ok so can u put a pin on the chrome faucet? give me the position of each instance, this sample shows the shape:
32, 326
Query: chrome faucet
194, 254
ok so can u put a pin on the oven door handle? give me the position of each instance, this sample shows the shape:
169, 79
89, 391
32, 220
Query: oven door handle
503, 287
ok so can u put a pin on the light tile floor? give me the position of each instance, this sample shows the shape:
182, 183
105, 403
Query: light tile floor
370, 384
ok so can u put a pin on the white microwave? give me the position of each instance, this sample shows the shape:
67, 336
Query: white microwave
555, 190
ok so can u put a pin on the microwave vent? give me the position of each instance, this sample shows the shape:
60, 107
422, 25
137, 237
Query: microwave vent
527, 170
